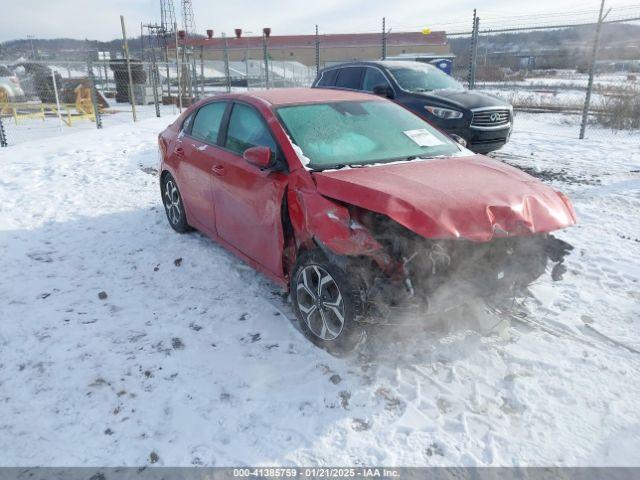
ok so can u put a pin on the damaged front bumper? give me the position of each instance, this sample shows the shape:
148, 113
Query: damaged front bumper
437, 276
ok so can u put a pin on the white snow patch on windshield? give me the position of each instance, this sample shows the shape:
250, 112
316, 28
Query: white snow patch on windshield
301, 156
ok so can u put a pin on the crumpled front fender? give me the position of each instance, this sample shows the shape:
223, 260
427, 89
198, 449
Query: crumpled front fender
319, 220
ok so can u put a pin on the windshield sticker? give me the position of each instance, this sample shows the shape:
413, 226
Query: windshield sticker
423, 137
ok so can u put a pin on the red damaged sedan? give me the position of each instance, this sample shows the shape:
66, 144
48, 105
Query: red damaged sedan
363, 210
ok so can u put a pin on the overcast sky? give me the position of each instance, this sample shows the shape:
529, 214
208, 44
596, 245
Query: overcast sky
99, 19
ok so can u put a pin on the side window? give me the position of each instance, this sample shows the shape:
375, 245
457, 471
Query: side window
186, 125
349, 77
328, 78
247, 129
372, 78
206, 125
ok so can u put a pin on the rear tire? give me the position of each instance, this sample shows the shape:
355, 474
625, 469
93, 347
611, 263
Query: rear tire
173, 205
326, 303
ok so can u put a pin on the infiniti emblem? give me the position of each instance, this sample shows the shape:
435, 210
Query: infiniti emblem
495, 117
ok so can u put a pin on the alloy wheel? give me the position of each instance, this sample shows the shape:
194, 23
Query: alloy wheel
320, 302
172, 202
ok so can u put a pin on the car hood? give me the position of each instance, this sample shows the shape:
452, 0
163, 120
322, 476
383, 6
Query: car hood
470, 99
473, 198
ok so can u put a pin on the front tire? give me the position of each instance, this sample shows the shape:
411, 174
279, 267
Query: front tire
326, 303
173, 205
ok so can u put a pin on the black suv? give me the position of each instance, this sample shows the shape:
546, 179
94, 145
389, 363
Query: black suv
482, 120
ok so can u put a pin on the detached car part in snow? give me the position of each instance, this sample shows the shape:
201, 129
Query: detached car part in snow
360, 208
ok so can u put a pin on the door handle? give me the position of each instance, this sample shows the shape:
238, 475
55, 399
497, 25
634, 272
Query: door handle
180, 151
218, 170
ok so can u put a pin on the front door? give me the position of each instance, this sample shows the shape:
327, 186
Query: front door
248, 201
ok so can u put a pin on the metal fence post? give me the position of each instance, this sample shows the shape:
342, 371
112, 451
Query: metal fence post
317, 51
189, 73
178, 73
106, 75
154, 86
227, 73
265, 53
384, 38
3, 136
132, 99
473, 51
592, 69
57, 97
194, 76
202, 71
94, 95
168, 68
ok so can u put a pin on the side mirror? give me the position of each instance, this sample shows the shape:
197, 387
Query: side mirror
258, 156
458, 139
383, 90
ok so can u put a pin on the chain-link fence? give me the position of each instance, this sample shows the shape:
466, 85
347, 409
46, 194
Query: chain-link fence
579, 79
44, 99
574, 79
40, 100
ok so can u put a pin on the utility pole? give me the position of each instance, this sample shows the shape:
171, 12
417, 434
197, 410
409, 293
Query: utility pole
592, 70
126, 53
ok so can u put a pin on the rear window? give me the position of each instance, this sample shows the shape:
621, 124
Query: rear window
206, 125
349, 77
328, 78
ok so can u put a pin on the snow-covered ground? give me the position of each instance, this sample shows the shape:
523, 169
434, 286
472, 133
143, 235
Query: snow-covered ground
564, 90
124, 343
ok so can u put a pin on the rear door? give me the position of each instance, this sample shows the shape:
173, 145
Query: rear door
198, 150
248, 201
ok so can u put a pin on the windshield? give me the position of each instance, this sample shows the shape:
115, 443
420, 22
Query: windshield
422, 77
338, 134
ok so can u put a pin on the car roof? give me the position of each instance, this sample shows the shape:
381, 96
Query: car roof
379, 63
291, 96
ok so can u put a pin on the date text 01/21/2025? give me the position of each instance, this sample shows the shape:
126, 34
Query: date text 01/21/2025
316, 472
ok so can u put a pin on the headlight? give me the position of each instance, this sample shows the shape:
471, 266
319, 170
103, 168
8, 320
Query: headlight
445, 113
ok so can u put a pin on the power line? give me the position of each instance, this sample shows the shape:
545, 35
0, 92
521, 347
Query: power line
536, 20
543, 27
